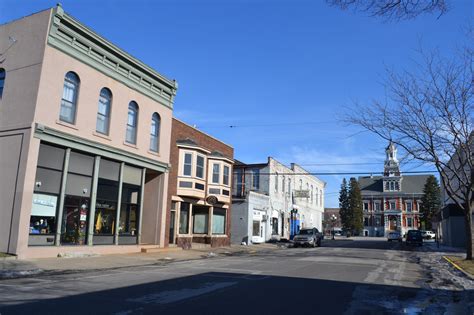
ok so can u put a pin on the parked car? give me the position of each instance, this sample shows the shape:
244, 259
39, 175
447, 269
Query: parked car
394, 236
428, 235
414, 237
307, 237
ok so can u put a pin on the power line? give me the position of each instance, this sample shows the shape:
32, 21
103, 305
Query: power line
338, 173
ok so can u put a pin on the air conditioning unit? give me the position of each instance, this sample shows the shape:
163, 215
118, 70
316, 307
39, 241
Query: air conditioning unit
265, 217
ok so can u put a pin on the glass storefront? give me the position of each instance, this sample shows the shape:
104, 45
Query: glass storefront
108, 226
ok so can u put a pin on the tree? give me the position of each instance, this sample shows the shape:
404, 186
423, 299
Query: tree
344, 212
355, 206
431, 201
428, 112
393, 9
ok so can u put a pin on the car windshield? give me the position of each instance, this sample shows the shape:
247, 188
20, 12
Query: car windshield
414, 232
305, 232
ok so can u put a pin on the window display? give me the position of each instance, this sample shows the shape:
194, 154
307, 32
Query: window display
75, 219
128, 224
218, 221
43, 214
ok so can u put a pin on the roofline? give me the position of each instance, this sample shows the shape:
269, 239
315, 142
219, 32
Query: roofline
202, 132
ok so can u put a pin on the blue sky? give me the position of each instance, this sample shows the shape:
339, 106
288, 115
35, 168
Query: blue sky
282, 72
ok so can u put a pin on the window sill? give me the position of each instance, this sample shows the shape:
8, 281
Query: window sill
101, 135
66, 124
131, 145
154, 153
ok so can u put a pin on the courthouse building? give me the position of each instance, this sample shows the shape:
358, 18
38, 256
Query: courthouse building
84, 141
391, 202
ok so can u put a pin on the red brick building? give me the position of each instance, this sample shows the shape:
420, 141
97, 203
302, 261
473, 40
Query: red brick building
391, 202
199, 189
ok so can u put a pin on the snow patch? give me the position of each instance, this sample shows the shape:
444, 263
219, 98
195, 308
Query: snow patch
9, 274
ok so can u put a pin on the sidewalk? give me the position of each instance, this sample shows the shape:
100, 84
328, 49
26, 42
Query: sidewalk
22, 268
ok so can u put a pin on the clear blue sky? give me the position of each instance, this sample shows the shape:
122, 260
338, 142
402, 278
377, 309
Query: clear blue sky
253, 63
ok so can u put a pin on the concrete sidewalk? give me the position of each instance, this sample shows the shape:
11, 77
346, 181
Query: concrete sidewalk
20, 268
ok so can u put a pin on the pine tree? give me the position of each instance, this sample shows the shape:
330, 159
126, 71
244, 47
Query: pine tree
344, 206
355, 206
431, 201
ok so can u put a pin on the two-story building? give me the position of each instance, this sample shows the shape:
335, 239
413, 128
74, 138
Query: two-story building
391, 202
272, 201
200, 186
84, 141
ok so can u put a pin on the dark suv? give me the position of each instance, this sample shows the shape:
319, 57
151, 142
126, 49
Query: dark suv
414, 237
307, 237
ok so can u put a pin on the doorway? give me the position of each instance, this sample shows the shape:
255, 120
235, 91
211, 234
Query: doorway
172, 231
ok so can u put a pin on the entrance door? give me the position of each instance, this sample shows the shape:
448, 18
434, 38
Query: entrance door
172, 227
274, 226
393, 223
75, 218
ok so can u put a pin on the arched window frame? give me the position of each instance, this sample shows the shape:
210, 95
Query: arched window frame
155, 132
132, 123
103, 111
3, 75
69, 98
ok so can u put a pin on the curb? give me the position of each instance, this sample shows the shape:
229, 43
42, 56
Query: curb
8, 258
458, 267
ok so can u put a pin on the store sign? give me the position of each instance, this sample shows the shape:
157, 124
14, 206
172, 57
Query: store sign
44, 205
301, 193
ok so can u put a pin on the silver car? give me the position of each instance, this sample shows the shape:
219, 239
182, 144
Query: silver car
394, 236
307, 237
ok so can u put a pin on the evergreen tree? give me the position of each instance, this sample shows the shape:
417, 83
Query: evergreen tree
431, 201
355, 206
344, 213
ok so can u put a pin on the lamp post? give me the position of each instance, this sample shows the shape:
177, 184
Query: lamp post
333, 221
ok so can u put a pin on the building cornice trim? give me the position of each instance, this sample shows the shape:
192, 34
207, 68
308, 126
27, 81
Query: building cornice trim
64, 139
71, 37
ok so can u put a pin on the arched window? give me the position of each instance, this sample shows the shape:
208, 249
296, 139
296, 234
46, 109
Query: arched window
2, 80
320, 197
155, 133
312, 191
132, 122
69, 100
103, 113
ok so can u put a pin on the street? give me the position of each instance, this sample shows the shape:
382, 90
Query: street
369, 276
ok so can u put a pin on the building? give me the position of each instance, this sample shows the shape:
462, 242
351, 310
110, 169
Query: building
84, 141
331, 220
200, 188
391, 202
272, 201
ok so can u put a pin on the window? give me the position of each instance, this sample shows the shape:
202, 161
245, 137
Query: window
200, 166
289, 186
393, 205
409, 222
283, 184
200, 220
392, 186
377, 206
312, 192
256, 178
320, 197
188, 163
103, 113
366, 206
226, 175
132, 121
276, 182
256, 228
69, 99
218, 221
184, 218
409, 206
366, 221
301, 184
216, 169
155, 133
238, 175
2, 81
378, 221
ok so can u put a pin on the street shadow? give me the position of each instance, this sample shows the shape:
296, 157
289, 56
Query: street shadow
234, 293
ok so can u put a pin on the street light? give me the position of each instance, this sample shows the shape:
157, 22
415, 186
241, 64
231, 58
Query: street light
333, 220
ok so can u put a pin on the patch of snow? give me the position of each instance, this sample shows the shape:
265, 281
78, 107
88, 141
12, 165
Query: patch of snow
9, 274
76, 255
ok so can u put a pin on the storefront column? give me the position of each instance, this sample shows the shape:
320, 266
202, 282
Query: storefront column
190, 221
95, 180
61, 197
140, 216
119, 204
211, 211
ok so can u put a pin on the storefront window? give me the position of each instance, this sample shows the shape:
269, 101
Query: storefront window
256, 228
130, 210
184, 218
200, 220
75, 220
43, 214
218, 221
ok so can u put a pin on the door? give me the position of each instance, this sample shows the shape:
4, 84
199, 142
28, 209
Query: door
75, 218
172, 227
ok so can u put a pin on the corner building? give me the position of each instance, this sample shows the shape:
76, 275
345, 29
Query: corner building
84, 141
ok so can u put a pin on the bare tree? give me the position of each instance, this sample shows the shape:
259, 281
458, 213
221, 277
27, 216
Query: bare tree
429, 113
393, 9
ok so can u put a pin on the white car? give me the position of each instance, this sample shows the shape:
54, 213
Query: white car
428, 235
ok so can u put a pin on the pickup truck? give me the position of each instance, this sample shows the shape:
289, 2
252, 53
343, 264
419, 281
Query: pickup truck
308, 237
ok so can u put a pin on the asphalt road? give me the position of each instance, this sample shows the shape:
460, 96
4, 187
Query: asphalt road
341, 277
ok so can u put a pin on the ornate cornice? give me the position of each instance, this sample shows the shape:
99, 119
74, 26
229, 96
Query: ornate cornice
73, 38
